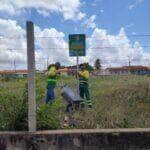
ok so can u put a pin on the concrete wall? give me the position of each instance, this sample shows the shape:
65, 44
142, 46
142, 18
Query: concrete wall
109, 139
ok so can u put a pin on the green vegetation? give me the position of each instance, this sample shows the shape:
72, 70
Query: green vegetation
118, 102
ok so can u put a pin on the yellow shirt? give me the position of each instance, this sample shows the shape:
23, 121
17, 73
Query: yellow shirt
85, 74
52, 72
52, 76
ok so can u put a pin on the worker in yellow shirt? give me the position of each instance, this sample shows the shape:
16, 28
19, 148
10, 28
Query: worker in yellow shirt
53, 71
84, 86
52, 75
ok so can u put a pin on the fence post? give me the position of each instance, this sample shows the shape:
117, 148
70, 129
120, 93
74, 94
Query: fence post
31, 77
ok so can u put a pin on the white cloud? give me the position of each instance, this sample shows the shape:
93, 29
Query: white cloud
130, 25
101, 10
90, 22
80, 16
114, 49
13, 46
68, 8
43, 12
135, 4
111, 49
54, 48
133, 33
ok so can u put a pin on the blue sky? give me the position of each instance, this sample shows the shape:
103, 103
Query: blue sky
114, 15
92, 17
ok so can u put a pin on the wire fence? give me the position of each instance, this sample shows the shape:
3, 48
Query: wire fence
100, 51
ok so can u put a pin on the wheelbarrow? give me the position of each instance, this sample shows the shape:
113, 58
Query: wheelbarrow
72, 98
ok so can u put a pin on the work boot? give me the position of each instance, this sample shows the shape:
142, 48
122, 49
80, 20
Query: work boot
82, 105
90, 106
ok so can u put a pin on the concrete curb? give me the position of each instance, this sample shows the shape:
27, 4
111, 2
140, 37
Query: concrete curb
77, 139
74, 131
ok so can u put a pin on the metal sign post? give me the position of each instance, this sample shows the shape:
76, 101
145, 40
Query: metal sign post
76, 49
31, 77
77, 76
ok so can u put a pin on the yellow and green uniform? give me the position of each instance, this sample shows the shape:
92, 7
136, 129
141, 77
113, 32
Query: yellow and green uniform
52, 76
51, 84
84, 87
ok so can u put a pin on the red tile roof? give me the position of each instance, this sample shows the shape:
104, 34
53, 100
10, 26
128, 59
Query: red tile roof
135, 68
14, 72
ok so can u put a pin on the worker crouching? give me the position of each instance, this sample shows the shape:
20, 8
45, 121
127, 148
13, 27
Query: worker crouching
84, 86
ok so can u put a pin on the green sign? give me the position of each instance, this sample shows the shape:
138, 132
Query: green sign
77, 45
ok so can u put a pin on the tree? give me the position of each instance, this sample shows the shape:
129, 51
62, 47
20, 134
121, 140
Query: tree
89, 67
97, 64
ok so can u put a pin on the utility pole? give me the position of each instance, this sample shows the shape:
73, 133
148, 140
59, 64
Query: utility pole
77, 76
47, 62
129, 61
31, 77
14, 64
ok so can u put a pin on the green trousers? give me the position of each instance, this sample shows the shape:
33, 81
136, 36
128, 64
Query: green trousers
84, 93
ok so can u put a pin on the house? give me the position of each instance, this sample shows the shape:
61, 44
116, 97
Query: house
126, 70
14, 73
101, 72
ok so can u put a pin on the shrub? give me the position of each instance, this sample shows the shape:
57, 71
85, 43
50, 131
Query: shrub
49, 116
118, 102
13, 113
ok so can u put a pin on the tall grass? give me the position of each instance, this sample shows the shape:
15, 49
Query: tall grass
118, 102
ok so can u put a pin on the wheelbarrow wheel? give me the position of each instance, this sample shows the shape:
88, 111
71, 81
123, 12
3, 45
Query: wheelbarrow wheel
69, 108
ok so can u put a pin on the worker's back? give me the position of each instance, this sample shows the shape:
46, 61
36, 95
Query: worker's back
52, 76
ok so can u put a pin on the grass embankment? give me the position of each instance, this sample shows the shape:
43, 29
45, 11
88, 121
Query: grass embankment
118, 102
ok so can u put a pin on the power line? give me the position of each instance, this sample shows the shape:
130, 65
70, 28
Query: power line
136, 35
47, 48
91, 37
14, 38
103, 59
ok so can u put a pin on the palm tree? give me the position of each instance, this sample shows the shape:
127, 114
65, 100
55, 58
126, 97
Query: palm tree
97, 64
